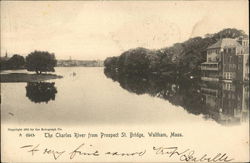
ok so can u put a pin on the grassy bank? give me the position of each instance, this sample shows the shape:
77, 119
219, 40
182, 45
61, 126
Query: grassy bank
23, 77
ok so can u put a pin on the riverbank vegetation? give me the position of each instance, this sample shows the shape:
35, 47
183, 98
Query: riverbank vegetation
13, 63
181, 59
38, 61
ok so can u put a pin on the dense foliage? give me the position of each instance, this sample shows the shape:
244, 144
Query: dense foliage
15, 62
180, 59
40, 61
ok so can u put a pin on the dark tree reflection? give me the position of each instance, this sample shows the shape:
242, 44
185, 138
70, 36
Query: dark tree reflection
179, 92
226, 103
39, 92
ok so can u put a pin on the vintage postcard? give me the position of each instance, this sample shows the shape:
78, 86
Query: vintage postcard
124, 81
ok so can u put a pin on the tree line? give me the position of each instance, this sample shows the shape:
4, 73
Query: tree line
38, 61
181, 59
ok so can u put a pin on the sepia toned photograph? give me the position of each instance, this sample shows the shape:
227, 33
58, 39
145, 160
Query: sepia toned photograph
161, 81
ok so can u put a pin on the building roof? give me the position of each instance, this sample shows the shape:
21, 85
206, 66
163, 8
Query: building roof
226, 42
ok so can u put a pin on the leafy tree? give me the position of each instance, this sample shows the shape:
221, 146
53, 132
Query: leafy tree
3, 64
41, 61
16, 62
110, 62
134, 61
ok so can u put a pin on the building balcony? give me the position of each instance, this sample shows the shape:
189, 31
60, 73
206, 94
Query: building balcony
210, 66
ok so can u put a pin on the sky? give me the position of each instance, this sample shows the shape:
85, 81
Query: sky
89, 30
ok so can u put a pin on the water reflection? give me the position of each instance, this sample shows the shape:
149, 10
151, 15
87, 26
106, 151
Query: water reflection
226, 103
39, 92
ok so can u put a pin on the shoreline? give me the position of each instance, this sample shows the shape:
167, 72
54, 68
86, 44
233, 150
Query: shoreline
24, 77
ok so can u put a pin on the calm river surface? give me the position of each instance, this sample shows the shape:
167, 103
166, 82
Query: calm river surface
91, 97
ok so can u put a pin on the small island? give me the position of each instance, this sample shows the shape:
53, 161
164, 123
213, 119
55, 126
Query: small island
24, 77
40, 62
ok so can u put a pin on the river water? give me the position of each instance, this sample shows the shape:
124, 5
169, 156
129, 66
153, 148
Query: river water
88, 96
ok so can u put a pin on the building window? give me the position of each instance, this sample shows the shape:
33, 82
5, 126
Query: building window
228, 75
